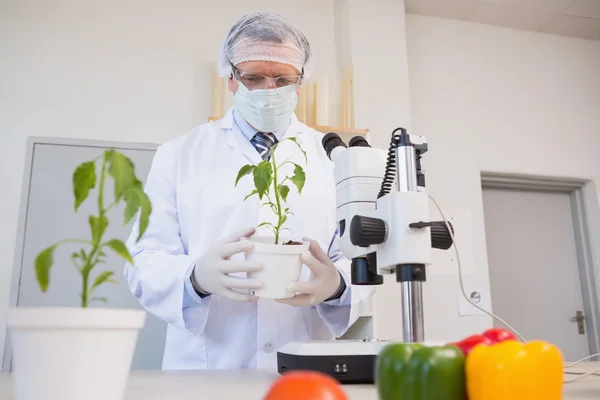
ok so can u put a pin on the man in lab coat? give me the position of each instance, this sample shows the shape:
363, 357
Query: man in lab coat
190, 268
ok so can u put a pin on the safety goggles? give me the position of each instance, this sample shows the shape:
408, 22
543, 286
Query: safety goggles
259, 81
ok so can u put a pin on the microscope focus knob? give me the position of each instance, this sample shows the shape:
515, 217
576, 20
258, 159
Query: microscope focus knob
366, 231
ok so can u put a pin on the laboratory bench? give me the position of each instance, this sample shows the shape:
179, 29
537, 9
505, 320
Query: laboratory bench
253, 385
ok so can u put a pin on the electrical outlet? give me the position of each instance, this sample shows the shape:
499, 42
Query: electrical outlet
477, 295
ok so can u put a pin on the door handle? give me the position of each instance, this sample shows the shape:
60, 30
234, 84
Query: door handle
579, 318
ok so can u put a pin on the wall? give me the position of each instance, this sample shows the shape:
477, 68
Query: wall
496, 100
124, 70
382, 103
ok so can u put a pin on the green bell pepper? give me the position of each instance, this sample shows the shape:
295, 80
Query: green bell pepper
412, 371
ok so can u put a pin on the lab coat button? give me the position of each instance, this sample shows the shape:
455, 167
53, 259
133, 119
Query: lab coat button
268, 347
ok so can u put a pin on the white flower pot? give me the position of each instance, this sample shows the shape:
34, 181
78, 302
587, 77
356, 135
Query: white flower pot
281, 266
72, 353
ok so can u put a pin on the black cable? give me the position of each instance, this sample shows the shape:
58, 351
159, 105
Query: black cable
390, 167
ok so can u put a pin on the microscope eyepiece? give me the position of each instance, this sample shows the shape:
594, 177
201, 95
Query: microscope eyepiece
331, 141
358, 141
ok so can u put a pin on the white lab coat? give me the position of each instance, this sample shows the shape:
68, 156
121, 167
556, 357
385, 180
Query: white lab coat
195, 203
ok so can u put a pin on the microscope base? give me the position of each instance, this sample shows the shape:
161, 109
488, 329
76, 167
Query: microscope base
347, 361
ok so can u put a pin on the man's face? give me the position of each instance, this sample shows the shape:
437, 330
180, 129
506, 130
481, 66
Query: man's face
270, 69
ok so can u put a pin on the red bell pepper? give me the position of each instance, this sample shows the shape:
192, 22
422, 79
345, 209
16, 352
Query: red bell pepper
497, 335
489, 337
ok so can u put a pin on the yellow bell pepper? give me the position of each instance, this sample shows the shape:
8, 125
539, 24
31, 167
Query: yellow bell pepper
512, 370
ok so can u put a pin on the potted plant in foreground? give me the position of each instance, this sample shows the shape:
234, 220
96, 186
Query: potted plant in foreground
82, 353
279, 255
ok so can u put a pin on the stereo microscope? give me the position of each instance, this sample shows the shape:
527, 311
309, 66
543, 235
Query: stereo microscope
383, 232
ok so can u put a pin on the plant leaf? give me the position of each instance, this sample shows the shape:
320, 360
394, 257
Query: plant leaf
74, 258
102, 278
119, 247
84, 179
299, 178
270, 204
136, 199
245, 170
266, 223
263, 177
98, 227
122, 170
284, 190
43, 263
293, 139
251, 194
283, 219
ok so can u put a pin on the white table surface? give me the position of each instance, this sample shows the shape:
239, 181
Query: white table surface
253, 385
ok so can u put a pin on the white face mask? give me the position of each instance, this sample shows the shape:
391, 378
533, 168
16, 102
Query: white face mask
267, 110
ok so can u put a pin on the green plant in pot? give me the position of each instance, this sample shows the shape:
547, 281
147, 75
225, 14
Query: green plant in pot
74, 353
279, 256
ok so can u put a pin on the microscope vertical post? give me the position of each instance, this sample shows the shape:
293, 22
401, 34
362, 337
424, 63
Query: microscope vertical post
410, 276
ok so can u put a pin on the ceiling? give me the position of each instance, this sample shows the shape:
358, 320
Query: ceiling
574, 18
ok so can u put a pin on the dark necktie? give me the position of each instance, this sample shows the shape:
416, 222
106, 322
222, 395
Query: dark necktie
263, 142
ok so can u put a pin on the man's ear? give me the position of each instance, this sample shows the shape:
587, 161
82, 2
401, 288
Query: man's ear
232, 84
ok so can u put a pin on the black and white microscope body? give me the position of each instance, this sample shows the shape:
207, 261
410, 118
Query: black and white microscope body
385, 228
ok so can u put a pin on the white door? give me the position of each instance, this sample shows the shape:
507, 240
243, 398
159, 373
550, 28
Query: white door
534, 272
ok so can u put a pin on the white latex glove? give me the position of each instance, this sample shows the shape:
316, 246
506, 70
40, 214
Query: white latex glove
211, 273
324, 279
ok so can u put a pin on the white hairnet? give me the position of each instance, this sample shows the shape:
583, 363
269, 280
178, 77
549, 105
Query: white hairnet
262, 36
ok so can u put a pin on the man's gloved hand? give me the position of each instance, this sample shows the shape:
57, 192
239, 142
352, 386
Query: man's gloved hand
324, 279
211, 273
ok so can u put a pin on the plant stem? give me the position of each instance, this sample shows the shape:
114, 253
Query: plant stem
90, 262
276, 190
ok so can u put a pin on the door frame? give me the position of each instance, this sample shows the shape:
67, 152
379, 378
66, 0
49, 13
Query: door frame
585, 209
32, 142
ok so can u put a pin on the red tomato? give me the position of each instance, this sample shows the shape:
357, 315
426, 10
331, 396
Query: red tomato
497, 335
305, 385
469, 343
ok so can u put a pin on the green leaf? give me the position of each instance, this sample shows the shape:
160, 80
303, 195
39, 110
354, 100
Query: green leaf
43, 263
102, 278
98, 227
245, 170
136, 199
266, 223
283, 219
263, 177
119, 247
84, 180
293, 139
287, 211
270, 204
251, 194
299, 178
122, 171
284, 190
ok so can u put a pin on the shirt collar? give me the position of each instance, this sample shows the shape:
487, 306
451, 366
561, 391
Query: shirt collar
249, 131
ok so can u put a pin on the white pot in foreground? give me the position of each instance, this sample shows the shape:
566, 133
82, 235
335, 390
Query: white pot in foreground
281, 266
72, 353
